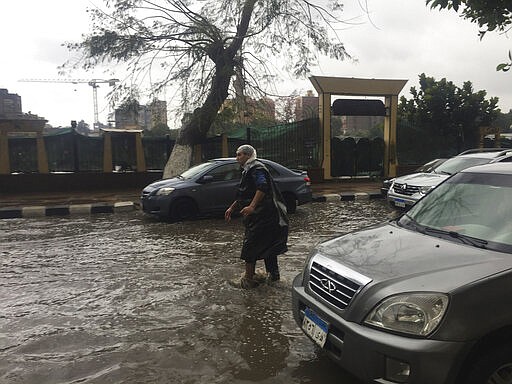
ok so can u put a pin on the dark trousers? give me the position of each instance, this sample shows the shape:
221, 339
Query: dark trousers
271, 266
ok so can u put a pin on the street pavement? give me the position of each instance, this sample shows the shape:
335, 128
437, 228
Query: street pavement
102, 201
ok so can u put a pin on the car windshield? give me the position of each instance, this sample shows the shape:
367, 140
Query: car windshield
193, 172
430, 166
457, 164
467, 207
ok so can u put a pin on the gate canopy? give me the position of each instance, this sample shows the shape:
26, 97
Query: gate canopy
356, 107
357, 87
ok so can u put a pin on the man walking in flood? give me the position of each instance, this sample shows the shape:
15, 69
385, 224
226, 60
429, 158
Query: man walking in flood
264, 217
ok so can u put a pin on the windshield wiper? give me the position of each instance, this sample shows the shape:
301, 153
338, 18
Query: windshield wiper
480, 243
411, 223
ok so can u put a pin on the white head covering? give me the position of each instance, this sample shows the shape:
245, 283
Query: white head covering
248, 150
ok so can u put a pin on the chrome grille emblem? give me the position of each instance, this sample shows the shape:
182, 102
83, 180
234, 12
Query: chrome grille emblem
328, 285
404, 186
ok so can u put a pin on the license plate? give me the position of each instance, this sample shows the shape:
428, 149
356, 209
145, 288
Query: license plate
315, 327
399, 203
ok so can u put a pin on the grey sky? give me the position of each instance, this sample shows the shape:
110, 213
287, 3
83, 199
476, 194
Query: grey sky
399, 40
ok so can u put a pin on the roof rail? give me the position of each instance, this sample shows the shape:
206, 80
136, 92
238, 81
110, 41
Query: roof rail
479, 150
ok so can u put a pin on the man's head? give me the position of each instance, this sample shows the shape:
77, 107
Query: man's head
245, 153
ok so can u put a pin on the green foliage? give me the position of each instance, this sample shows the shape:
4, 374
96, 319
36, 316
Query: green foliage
495, 15
503, 122
451, 115
489, 15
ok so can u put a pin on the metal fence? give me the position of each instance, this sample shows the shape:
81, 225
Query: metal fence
295, 145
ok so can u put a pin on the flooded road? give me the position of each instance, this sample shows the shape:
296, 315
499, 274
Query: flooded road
126, 299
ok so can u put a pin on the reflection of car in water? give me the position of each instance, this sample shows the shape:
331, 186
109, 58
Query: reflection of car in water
424, 298
209, 188
406, 190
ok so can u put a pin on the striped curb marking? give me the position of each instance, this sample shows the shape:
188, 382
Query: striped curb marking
65, 210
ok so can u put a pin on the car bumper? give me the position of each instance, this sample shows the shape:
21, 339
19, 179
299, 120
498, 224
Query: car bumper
401, 201
380, 357
304, 198
155, 205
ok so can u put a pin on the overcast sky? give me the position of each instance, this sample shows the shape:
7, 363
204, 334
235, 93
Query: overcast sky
400, 40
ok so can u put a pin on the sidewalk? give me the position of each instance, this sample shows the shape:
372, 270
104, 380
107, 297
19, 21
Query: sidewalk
61, 204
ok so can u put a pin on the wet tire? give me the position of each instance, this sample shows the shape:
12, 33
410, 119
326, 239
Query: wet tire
183, 209
291, 203
494, 366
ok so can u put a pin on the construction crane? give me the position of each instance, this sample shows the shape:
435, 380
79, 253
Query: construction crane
93, 83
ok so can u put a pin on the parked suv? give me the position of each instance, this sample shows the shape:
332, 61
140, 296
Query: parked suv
407, 190
425, 298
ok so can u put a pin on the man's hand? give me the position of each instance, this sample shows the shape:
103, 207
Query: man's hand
227, 214
246, 211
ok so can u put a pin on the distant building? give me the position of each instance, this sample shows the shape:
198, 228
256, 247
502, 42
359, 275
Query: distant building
12, 116
10, 104
357, 125
142, 117
306, 107
158, 112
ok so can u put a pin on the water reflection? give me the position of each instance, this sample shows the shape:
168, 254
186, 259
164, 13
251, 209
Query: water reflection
263, 346
125, 299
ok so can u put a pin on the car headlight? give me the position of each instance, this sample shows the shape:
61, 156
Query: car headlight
426, 189
165, 191
413, 313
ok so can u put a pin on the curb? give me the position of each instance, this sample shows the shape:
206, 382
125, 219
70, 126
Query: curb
66, 210
127, 206
347, 196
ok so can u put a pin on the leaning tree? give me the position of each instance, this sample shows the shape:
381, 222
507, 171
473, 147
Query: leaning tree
201, 46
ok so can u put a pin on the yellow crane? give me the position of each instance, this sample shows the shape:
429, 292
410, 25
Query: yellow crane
92, 82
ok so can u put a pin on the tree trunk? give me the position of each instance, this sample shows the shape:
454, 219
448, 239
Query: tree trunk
179, 160
197, 128
202, 118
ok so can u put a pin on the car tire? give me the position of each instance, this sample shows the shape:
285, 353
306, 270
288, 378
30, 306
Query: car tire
183, 209
291, 202
494, 366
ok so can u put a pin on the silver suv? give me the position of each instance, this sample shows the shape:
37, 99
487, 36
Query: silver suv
424, 298
407, 190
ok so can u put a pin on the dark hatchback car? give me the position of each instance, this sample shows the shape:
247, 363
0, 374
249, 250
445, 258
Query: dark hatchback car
209, 188
425, 298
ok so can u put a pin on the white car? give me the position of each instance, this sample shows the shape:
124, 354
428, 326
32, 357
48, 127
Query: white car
407, 190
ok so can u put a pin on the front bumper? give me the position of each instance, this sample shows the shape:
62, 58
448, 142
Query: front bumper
373, 355
401, 201
156, 205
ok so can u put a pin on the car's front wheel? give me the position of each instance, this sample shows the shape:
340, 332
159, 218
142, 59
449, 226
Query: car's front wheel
494, 366
183, 209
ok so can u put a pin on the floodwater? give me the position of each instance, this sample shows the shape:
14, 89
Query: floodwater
127, 299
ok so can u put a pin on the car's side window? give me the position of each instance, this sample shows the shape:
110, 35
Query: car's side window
226, 172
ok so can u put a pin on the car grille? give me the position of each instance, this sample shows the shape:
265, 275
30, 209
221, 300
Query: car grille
331, 286
405, 189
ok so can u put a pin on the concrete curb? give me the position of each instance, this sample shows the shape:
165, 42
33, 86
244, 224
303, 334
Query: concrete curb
127, 206
347, 196
66, 210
